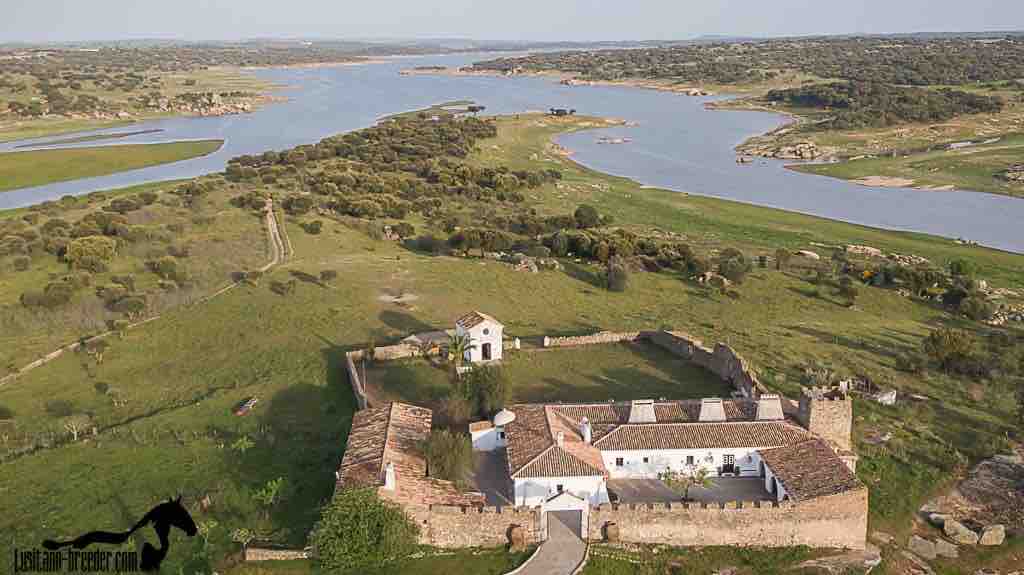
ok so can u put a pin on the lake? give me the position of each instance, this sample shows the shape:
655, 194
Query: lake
676, 144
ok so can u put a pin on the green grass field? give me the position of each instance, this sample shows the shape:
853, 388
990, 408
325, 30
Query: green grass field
177, 379
974, 168
601, 373
39, 167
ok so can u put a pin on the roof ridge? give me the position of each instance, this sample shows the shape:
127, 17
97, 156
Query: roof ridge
532, 459
564, 451
387, 436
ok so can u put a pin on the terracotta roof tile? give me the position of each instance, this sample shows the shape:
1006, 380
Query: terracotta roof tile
702, 436
392, 433
810, 469
526, 437
557, 462
473, 319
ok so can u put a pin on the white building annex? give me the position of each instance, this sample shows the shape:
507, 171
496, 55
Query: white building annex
485, 334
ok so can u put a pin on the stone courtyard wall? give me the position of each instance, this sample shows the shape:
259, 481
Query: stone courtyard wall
451, 527
593, 339
835, 521
353, 379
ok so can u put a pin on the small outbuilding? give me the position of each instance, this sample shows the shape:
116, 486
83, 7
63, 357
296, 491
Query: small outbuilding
485, 334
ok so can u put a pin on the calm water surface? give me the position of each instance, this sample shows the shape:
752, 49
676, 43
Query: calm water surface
677, 144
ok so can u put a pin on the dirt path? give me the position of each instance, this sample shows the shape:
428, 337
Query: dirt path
279, 253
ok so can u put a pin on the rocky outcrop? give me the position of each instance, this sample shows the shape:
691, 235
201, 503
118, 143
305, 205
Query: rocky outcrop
922, 547
992, 535
796, 151
959, 532
1014, 174
946, 549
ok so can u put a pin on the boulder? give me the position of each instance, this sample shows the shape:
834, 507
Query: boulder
992, 535
937, 519
946, 549
922, 547
959, 533
881, 537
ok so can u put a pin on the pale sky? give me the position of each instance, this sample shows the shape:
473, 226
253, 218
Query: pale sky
69, 20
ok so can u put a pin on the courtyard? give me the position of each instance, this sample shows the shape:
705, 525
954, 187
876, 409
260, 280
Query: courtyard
594, 373
722, 490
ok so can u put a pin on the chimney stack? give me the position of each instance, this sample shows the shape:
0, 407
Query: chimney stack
711, 409
560, 439
389, 477
642, 411
769, 408
585, 431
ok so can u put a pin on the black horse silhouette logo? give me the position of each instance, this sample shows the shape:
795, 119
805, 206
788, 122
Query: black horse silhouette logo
162, 517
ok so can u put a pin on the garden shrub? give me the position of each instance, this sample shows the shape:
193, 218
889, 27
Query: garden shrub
384, 534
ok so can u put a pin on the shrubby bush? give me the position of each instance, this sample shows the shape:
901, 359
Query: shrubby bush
384, 534
449, 456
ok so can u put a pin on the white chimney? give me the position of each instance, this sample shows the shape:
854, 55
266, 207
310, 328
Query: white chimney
711, 409
642, 411
769, 408
560, 439
585, 430
389, 477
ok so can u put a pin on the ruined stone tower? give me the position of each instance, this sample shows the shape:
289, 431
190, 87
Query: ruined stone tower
828, 413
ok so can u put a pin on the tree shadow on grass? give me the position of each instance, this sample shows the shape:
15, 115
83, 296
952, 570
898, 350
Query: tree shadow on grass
816, 292
890, 347
305, 431
404, 322
584, 274
307, 278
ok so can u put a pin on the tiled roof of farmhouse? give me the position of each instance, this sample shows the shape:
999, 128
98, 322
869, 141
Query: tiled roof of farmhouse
682, 411
532, 450
473, 319
809, 469
392, 433
756, 434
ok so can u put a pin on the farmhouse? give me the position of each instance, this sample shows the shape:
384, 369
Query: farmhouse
583, 449
780, 471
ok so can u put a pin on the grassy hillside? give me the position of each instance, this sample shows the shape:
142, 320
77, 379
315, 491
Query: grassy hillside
39, 167
161, 398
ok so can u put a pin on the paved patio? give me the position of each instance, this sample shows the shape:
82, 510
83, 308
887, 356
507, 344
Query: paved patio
491, 477
723, 489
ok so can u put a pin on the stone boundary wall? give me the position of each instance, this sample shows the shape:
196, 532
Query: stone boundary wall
451, 526
264, 554
593, 339
835, 521
353, 379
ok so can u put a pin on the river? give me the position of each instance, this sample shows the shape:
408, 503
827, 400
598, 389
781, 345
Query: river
676, 144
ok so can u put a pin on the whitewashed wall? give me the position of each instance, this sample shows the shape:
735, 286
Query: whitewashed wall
535, 490
486, 440
768, 477
493, 337
489, 439
658, 461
